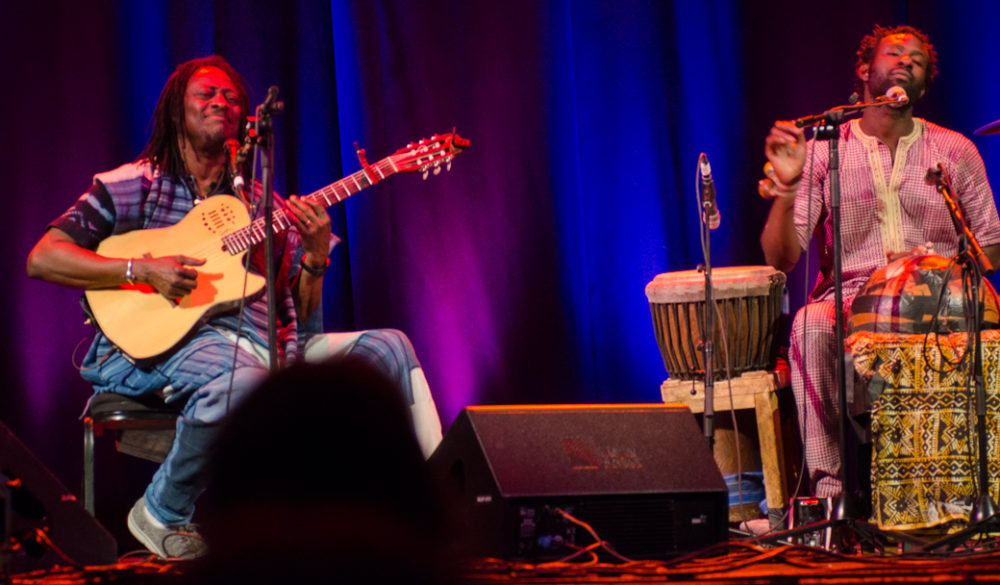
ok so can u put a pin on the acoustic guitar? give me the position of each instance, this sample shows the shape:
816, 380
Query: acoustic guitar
144, 324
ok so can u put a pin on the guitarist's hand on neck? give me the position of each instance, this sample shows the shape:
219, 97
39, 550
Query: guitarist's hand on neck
313, 224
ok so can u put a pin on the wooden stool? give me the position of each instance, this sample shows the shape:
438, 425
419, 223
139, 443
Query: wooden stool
756, 390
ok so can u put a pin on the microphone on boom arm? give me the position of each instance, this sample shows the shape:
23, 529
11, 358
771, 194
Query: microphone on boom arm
710, 210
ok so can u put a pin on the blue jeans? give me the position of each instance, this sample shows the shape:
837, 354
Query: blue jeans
202, 374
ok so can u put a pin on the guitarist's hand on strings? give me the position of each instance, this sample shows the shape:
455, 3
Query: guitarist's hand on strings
313, 223
171, 276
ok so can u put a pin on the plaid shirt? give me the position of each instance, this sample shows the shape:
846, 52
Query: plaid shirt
134, 196
887, 206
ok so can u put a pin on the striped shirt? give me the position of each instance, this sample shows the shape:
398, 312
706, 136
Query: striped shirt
135, 196
887, 206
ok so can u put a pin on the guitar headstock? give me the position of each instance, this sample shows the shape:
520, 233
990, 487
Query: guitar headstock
429, 154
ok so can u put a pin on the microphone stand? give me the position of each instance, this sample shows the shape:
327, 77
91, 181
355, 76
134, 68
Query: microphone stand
984, 517
708, 414
843, 519
265, 143
708, 222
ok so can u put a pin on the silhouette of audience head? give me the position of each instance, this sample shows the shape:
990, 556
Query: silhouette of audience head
317, 476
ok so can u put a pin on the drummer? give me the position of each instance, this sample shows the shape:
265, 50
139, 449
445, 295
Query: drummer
887, 211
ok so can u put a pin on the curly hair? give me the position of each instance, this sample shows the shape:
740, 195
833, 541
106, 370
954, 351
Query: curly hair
866, 51
162, 149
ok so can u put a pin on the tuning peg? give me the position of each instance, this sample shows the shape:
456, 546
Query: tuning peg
425, 175
447, 165
437, 170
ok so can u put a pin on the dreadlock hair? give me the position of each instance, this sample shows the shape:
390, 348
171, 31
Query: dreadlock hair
866, 51
163, 150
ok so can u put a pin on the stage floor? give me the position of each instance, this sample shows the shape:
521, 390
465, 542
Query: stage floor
744, 563
732, 562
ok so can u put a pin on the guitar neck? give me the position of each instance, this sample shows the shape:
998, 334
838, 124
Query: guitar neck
243, 238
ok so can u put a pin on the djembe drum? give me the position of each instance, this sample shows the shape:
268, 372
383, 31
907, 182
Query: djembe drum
749, 301
908, 337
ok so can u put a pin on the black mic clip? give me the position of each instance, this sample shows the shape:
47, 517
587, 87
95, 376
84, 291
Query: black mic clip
830, 117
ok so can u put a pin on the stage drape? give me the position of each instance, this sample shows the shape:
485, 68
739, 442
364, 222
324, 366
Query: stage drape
520, 273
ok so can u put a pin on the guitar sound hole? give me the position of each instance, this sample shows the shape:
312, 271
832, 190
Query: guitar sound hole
219, 220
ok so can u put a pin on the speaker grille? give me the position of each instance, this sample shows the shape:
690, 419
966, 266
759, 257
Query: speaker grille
636, 526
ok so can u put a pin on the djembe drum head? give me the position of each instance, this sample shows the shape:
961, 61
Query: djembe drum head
749, 311
906, 297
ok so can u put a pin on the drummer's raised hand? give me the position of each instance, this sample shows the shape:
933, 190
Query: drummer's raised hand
785, 148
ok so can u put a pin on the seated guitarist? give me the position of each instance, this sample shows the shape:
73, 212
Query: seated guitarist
203, 103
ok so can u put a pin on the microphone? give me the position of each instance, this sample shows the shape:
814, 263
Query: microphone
232, 156
271, 103
710, 211
897, 94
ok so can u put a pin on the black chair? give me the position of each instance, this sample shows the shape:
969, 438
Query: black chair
144, 427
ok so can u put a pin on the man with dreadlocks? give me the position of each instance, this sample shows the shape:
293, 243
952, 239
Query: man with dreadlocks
887, 211
203, 104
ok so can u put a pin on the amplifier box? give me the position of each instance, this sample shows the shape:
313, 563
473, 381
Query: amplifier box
526, 482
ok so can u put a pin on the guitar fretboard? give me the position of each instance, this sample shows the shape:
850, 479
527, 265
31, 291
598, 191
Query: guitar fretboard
241, 239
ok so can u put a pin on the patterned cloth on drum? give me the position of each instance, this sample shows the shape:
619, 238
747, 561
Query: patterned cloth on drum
924, 462
925, 451
749, 299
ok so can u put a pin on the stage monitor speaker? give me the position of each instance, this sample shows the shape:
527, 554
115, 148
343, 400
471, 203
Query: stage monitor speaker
641, 476
35, 501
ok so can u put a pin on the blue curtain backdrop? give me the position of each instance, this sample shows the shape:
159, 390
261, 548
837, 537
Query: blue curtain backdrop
519, 275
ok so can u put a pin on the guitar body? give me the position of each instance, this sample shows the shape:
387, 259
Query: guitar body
142, 322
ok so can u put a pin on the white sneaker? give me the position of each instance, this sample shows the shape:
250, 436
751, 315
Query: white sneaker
169, 542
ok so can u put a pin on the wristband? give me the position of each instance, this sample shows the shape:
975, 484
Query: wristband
311, 270
129, 275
